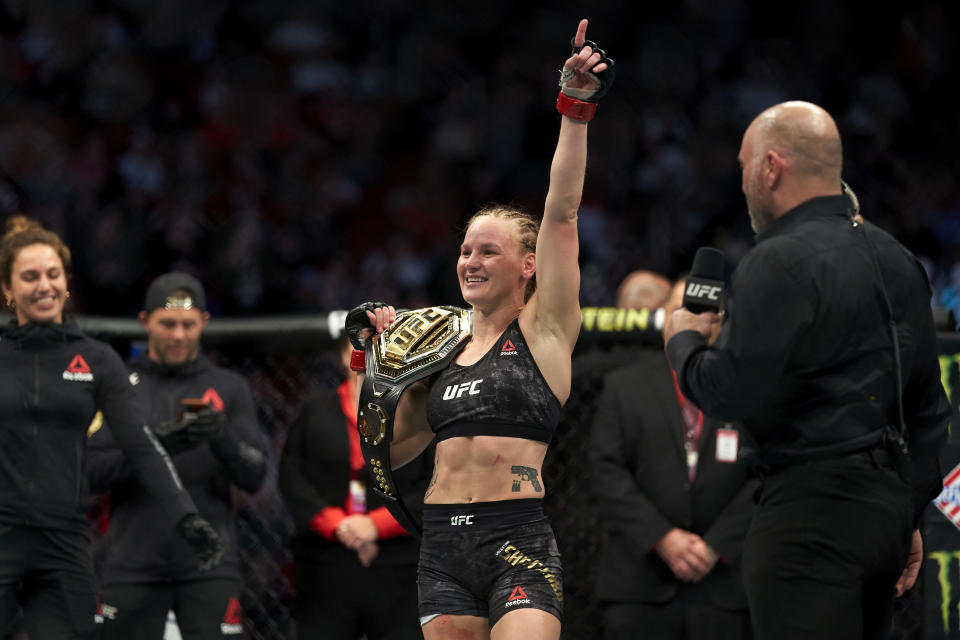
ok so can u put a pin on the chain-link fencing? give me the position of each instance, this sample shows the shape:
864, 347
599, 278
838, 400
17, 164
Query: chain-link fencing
283, 373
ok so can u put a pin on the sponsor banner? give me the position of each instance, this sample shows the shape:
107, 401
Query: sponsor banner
941, 533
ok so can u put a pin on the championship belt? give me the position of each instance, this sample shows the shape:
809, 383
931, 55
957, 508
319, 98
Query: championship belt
418, 344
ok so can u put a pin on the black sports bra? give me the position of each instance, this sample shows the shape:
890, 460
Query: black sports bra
503, 394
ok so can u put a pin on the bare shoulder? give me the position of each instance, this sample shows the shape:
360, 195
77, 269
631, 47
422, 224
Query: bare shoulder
551, 349
555, 330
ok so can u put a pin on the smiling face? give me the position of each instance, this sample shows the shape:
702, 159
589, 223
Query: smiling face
493, 268
38, 284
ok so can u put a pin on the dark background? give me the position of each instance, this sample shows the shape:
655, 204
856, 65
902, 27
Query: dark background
303, 156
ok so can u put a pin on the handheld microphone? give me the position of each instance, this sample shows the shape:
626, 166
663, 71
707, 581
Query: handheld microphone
704, 290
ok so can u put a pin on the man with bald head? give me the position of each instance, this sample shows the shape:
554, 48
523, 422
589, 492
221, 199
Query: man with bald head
789, 154
829, 361
643, 289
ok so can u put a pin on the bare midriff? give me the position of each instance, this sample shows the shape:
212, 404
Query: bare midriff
486, 469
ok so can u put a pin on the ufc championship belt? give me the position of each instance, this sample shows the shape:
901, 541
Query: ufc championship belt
419, 343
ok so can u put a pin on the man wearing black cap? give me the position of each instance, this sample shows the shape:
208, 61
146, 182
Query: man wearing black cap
205, 418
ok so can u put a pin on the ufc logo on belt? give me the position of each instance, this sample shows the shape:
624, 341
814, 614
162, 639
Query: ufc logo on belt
459, 520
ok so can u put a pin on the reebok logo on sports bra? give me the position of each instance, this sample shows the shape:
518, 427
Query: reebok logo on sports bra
454, 391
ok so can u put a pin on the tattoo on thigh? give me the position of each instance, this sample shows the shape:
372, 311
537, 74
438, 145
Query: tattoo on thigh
527, 474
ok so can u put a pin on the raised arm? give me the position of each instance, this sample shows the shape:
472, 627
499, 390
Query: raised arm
586, 76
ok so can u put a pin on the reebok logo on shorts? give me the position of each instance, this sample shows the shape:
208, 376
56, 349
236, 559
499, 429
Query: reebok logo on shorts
512, 555
517, 597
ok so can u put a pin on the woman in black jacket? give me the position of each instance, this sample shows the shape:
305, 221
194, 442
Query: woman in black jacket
53, 381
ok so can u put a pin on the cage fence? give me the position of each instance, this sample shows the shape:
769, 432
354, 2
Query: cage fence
284, 364
284, 369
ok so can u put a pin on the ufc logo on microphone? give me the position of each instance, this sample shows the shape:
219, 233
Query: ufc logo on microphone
456, 521
455, 391
700, 291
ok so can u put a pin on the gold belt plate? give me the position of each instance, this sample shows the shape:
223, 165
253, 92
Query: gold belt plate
418, 339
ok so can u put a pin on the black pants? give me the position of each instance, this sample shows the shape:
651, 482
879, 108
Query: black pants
51, 573
824, 551
687, 617
342, 602
206, 609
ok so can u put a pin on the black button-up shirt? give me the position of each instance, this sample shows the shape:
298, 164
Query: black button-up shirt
805, 359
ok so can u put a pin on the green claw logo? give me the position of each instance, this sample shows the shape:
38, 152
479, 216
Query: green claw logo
943, 558
948, 364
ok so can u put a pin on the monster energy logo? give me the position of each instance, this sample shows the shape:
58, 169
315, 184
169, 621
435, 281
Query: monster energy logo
943, 558
950, 496
948, 364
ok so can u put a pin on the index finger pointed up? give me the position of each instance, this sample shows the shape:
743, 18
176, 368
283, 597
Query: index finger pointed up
581, 36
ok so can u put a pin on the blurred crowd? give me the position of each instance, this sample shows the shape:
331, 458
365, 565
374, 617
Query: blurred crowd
301, 156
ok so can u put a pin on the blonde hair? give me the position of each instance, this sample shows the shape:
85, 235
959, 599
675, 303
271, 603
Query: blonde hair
528, 226
22, 232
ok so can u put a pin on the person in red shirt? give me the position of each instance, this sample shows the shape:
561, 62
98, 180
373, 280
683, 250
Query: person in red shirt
349, 552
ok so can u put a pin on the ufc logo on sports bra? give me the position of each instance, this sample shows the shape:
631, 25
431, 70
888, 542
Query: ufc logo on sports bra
456, 390
459, 520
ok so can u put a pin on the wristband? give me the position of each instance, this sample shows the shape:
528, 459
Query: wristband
358, 360
576, 109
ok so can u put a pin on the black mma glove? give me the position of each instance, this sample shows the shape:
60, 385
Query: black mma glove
604, 79
197, 427
204, 540
357, 322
